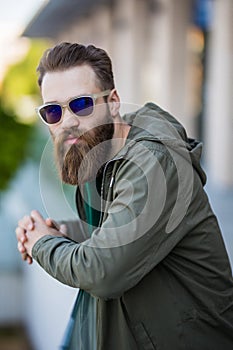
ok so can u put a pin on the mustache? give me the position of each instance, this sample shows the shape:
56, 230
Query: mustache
74, 131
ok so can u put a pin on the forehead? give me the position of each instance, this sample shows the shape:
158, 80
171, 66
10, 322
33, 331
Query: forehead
62, 85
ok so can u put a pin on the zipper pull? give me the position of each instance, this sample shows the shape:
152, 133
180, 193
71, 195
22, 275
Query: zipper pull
111, 182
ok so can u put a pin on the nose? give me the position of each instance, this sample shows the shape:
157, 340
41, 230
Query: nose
69, 119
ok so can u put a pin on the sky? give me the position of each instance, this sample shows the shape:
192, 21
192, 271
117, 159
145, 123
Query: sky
14, 16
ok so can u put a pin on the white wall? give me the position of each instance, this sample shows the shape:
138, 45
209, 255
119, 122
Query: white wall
10, 297
219, 118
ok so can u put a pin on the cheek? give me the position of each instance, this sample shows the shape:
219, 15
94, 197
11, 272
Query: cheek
101, 115
54, 131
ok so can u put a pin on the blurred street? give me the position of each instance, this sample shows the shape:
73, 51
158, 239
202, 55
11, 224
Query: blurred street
221, 200
222, 204
14, 338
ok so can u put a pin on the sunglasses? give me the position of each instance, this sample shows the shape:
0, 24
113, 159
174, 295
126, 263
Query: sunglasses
81, 106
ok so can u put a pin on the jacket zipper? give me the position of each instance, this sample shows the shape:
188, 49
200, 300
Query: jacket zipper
130, 144
102, 187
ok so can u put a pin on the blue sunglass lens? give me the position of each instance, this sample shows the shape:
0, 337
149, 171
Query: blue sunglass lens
51, 113
82, 106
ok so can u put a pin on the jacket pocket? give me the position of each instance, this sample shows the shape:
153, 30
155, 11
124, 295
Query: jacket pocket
142, 337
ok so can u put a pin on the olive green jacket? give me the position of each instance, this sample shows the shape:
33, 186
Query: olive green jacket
156, 265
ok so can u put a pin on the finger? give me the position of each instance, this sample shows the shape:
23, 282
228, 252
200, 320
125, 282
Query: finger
24, 256
29, 259
51, 223
21, 234
36, 216
21, 248
26, 223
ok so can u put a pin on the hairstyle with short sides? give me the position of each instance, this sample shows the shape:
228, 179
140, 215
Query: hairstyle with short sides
67, 55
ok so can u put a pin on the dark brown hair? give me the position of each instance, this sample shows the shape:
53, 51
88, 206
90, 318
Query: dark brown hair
68, 55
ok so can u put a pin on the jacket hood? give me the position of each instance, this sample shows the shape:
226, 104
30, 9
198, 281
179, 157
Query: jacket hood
152, 123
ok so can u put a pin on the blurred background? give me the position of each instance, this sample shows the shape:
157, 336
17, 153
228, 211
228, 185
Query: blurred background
176, 53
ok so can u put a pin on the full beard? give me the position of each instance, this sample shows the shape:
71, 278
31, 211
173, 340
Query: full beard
83, 161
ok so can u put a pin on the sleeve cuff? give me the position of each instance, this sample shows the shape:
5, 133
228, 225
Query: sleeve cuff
42, 241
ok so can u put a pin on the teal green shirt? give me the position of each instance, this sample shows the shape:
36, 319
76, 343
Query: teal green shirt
81, 330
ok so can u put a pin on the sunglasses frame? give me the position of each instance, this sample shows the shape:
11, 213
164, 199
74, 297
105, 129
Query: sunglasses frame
67, 105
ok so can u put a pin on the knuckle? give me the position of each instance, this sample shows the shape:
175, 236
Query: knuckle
19, 246
19, 232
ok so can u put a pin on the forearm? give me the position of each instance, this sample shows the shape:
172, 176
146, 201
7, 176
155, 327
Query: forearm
100, 271
103, 270
53, 254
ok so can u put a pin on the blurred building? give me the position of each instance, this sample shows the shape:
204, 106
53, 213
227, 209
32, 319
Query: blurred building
176, 53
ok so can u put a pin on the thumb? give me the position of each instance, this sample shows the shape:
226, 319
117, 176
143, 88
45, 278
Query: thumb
37, 216
51, 223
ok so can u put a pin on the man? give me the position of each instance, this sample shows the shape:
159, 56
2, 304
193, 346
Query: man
146, 251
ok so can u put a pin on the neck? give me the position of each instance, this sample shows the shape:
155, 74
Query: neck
120, 134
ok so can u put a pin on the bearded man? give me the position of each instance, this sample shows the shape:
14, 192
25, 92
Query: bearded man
146, 251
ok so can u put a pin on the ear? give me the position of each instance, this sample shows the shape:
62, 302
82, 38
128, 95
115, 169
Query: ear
114, 103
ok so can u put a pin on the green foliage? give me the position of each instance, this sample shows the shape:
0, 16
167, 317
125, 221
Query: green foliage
19, 86
21, 78
13, 145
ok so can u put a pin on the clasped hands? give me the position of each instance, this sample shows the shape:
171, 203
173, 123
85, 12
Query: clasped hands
33, 227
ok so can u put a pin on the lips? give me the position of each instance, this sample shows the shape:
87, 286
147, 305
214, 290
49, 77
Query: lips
71, 140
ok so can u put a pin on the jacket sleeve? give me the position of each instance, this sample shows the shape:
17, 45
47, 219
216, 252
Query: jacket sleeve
75, 230
135, 235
